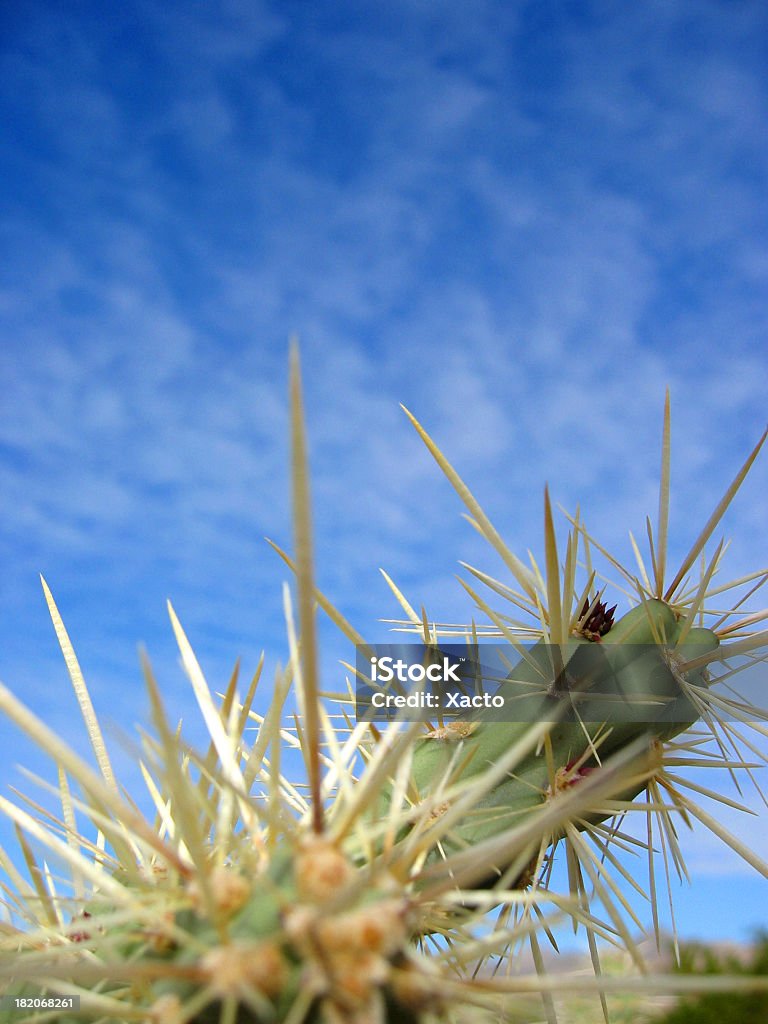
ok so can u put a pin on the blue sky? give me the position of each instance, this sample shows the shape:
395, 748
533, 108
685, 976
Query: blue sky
522, 220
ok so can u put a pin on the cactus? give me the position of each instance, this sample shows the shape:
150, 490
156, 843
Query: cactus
634, 670
361, 895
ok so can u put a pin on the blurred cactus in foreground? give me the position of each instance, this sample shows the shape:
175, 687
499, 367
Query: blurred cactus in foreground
363, 892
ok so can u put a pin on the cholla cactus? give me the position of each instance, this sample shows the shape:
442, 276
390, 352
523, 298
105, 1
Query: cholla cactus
363, 894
